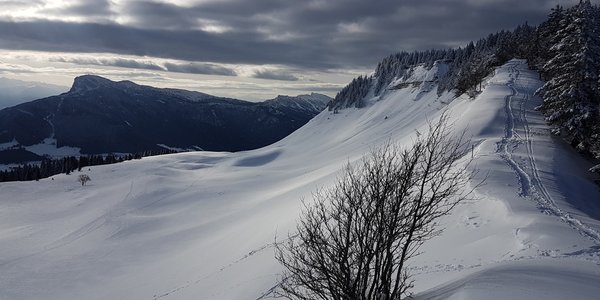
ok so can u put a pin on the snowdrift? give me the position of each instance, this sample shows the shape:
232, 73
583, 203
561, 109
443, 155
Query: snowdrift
201, 225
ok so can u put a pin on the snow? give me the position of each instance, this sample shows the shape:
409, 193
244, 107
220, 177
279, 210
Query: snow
421, 78
48, 148
543, 279
8, 145
200, 225
421, 73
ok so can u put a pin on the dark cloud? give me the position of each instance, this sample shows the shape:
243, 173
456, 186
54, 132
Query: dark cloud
159, 15
200, 68
190, 45
111, 62
89, 8
274, 75
192, 68
317, 34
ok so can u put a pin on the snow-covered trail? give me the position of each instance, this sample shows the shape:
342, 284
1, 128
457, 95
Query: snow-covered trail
511, 138
531, 185
536, 266
201, 225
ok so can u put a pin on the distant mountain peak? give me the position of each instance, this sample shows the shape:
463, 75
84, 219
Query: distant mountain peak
99, 115
90, 82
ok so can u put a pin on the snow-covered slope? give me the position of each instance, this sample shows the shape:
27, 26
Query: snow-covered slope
201, 225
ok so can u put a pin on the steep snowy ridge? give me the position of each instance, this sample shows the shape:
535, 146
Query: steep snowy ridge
421, 77
420, 74
311, 102
201, 225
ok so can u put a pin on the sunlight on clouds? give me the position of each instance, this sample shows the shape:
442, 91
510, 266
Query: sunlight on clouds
213, 26
18, 10
353, 27
61, 68
51, 10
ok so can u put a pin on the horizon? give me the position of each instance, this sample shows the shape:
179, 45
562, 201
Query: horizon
460, 158
250, 51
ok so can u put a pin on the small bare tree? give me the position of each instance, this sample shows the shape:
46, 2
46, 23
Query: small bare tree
353, 241
83, 179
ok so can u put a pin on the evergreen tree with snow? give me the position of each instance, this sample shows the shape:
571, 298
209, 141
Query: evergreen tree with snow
546, 36
571, 95
565, 48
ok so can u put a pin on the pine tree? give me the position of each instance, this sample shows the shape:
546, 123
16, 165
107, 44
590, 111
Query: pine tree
547, 36
565, 48
571, 95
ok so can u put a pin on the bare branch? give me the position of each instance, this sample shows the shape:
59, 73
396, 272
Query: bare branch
354, 239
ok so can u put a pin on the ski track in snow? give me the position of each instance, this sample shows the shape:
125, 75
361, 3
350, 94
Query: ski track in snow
251, 253
190, 283
249, 272
531, 186
509, 138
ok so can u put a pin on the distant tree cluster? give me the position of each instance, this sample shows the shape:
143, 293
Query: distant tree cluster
565, 49
69, 164
354, 93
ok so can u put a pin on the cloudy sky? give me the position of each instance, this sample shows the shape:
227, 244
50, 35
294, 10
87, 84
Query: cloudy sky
247, 49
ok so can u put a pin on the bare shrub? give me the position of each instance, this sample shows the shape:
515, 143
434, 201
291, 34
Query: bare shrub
83, 179
353, 240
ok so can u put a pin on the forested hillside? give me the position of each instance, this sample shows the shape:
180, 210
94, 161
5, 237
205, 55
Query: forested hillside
565, 49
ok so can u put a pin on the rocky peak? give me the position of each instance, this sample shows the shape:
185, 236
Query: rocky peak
90, 82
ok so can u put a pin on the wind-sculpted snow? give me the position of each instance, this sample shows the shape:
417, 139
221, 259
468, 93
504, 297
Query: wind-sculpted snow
202, 225
538, 280
258, 160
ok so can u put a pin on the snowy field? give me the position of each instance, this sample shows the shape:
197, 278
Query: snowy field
201, 225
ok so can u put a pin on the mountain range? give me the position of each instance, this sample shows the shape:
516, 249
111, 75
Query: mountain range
202, 225
98, 115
